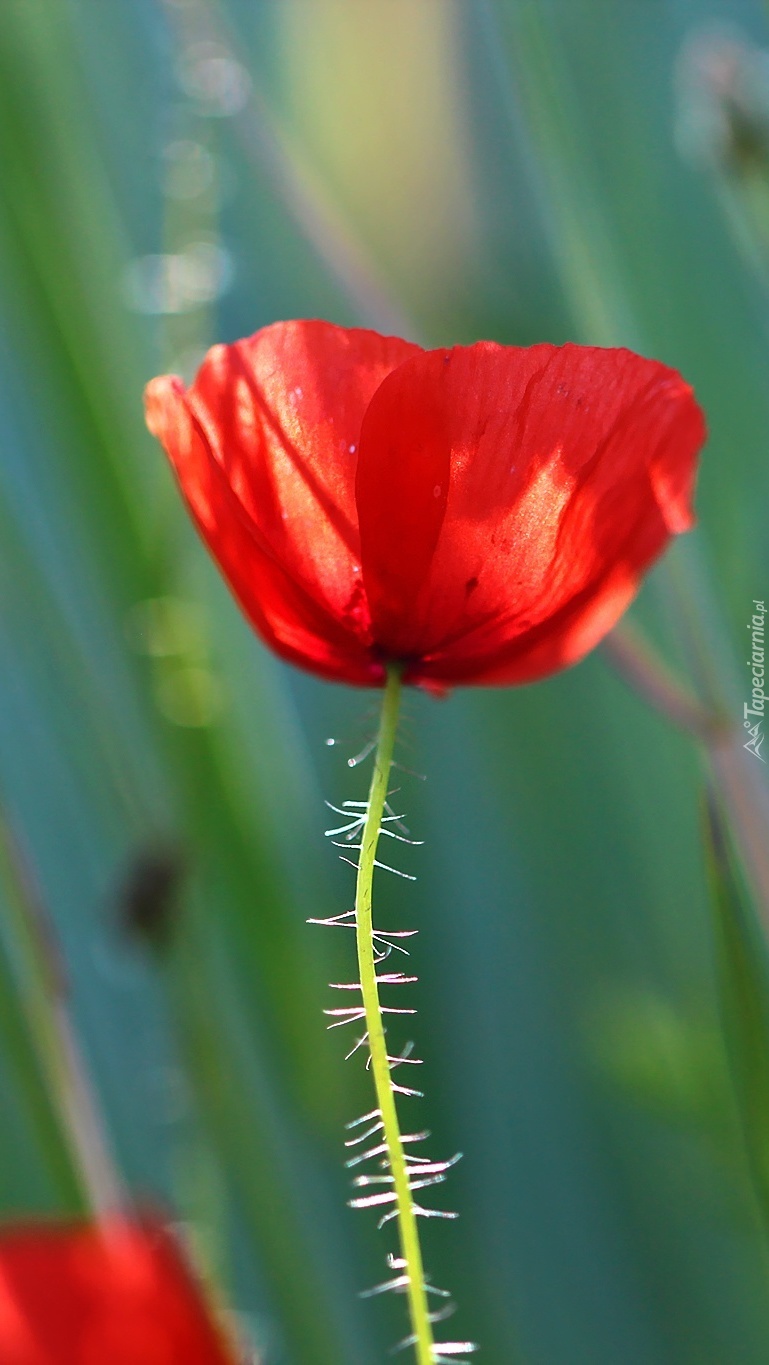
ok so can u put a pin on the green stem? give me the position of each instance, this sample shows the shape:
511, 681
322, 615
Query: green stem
411, 1251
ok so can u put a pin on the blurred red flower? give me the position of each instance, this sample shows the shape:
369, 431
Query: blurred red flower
113, 1294
482, 514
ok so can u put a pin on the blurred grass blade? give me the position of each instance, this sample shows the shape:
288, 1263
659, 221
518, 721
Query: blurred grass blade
743, 787
743, 971
23, 1047
44, 994
41, 1122
572, 205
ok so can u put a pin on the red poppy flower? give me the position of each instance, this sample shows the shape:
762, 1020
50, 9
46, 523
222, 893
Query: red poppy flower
481, 515
113, 1294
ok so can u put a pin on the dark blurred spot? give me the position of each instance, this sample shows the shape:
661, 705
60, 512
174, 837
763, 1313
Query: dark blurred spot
471, 585
148, 897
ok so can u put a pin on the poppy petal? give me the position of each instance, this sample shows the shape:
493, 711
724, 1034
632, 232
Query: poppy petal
285, 614
118, 1292
568, 466
264, 444
282, 412
481, 514
558, 643
402, 487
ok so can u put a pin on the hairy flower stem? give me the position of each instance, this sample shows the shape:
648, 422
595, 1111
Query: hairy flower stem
380, 1066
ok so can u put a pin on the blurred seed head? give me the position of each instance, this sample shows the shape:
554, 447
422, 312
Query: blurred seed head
723, 101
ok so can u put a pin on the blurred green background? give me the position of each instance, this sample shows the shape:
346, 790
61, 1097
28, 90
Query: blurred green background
182, 172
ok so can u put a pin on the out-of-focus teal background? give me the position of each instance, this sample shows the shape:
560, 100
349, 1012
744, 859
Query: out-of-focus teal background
182, 172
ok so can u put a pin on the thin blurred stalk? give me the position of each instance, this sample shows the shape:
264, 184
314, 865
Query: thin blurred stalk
603, 314
634, 658
42, 983
267, 142
270, 148
738, 782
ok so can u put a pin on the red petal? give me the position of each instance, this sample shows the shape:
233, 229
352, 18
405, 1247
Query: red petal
563, 639
569, 468
118, 1293
401, 490
265, 447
